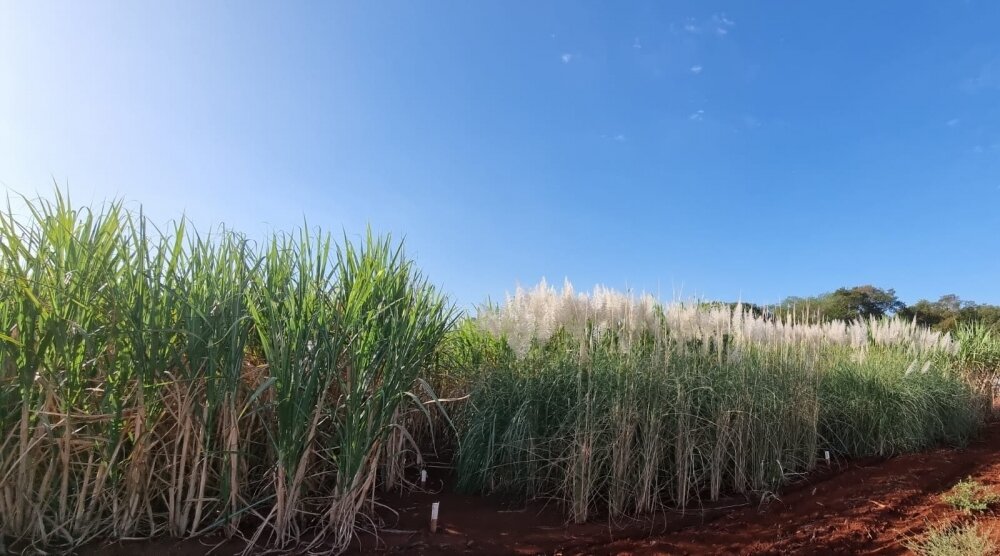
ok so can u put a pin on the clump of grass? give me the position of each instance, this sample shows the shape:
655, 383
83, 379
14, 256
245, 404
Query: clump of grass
955, 540
971, 496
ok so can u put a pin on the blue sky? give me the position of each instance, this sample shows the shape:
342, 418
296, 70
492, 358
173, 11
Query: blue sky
725, 149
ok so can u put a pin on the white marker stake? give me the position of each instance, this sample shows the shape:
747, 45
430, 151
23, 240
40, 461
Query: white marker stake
434, 516
826, 454
423, 477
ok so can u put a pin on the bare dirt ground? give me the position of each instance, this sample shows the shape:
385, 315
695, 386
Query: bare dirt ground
863, 507
869, 508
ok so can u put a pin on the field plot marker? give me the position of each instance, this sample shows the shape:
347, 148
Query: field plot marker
434, 516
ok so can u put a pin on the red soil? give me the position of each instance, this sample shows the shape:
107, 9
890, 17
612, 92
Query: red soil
867, 507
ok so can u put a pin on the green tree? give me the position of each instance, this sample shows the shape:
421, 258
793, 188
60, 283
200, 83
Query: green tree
935, 314
850, 303
949, 311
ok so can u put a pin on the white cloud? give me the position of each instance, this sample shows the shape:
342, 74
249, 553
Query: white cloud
567, 58
953, 122
636, 43
697, 116
723, 20
720, 23
696, 69
620, 138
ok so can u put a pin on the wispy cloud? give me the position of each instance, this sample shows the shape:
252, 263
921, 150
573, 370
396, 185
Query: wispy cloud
987, 79
720, 23
697, 116
619, 138
952, 122
696, 69
566, 58
723, 20
636, 43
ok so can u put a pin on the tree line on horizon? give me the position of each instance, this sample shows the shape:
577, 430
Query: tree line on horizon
867, 301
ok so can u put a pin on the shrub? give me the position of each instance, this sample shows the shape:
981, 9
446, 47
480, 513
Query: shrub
960, 540
971, 496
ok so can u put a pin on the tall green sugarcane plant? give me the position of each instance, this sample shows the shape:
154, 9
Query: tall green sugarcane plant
390, 323
292, 311
154, 381
60, 269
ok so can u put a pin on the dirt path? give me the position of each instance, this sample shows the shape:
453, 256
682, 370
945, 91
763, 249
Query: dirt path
861, 508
